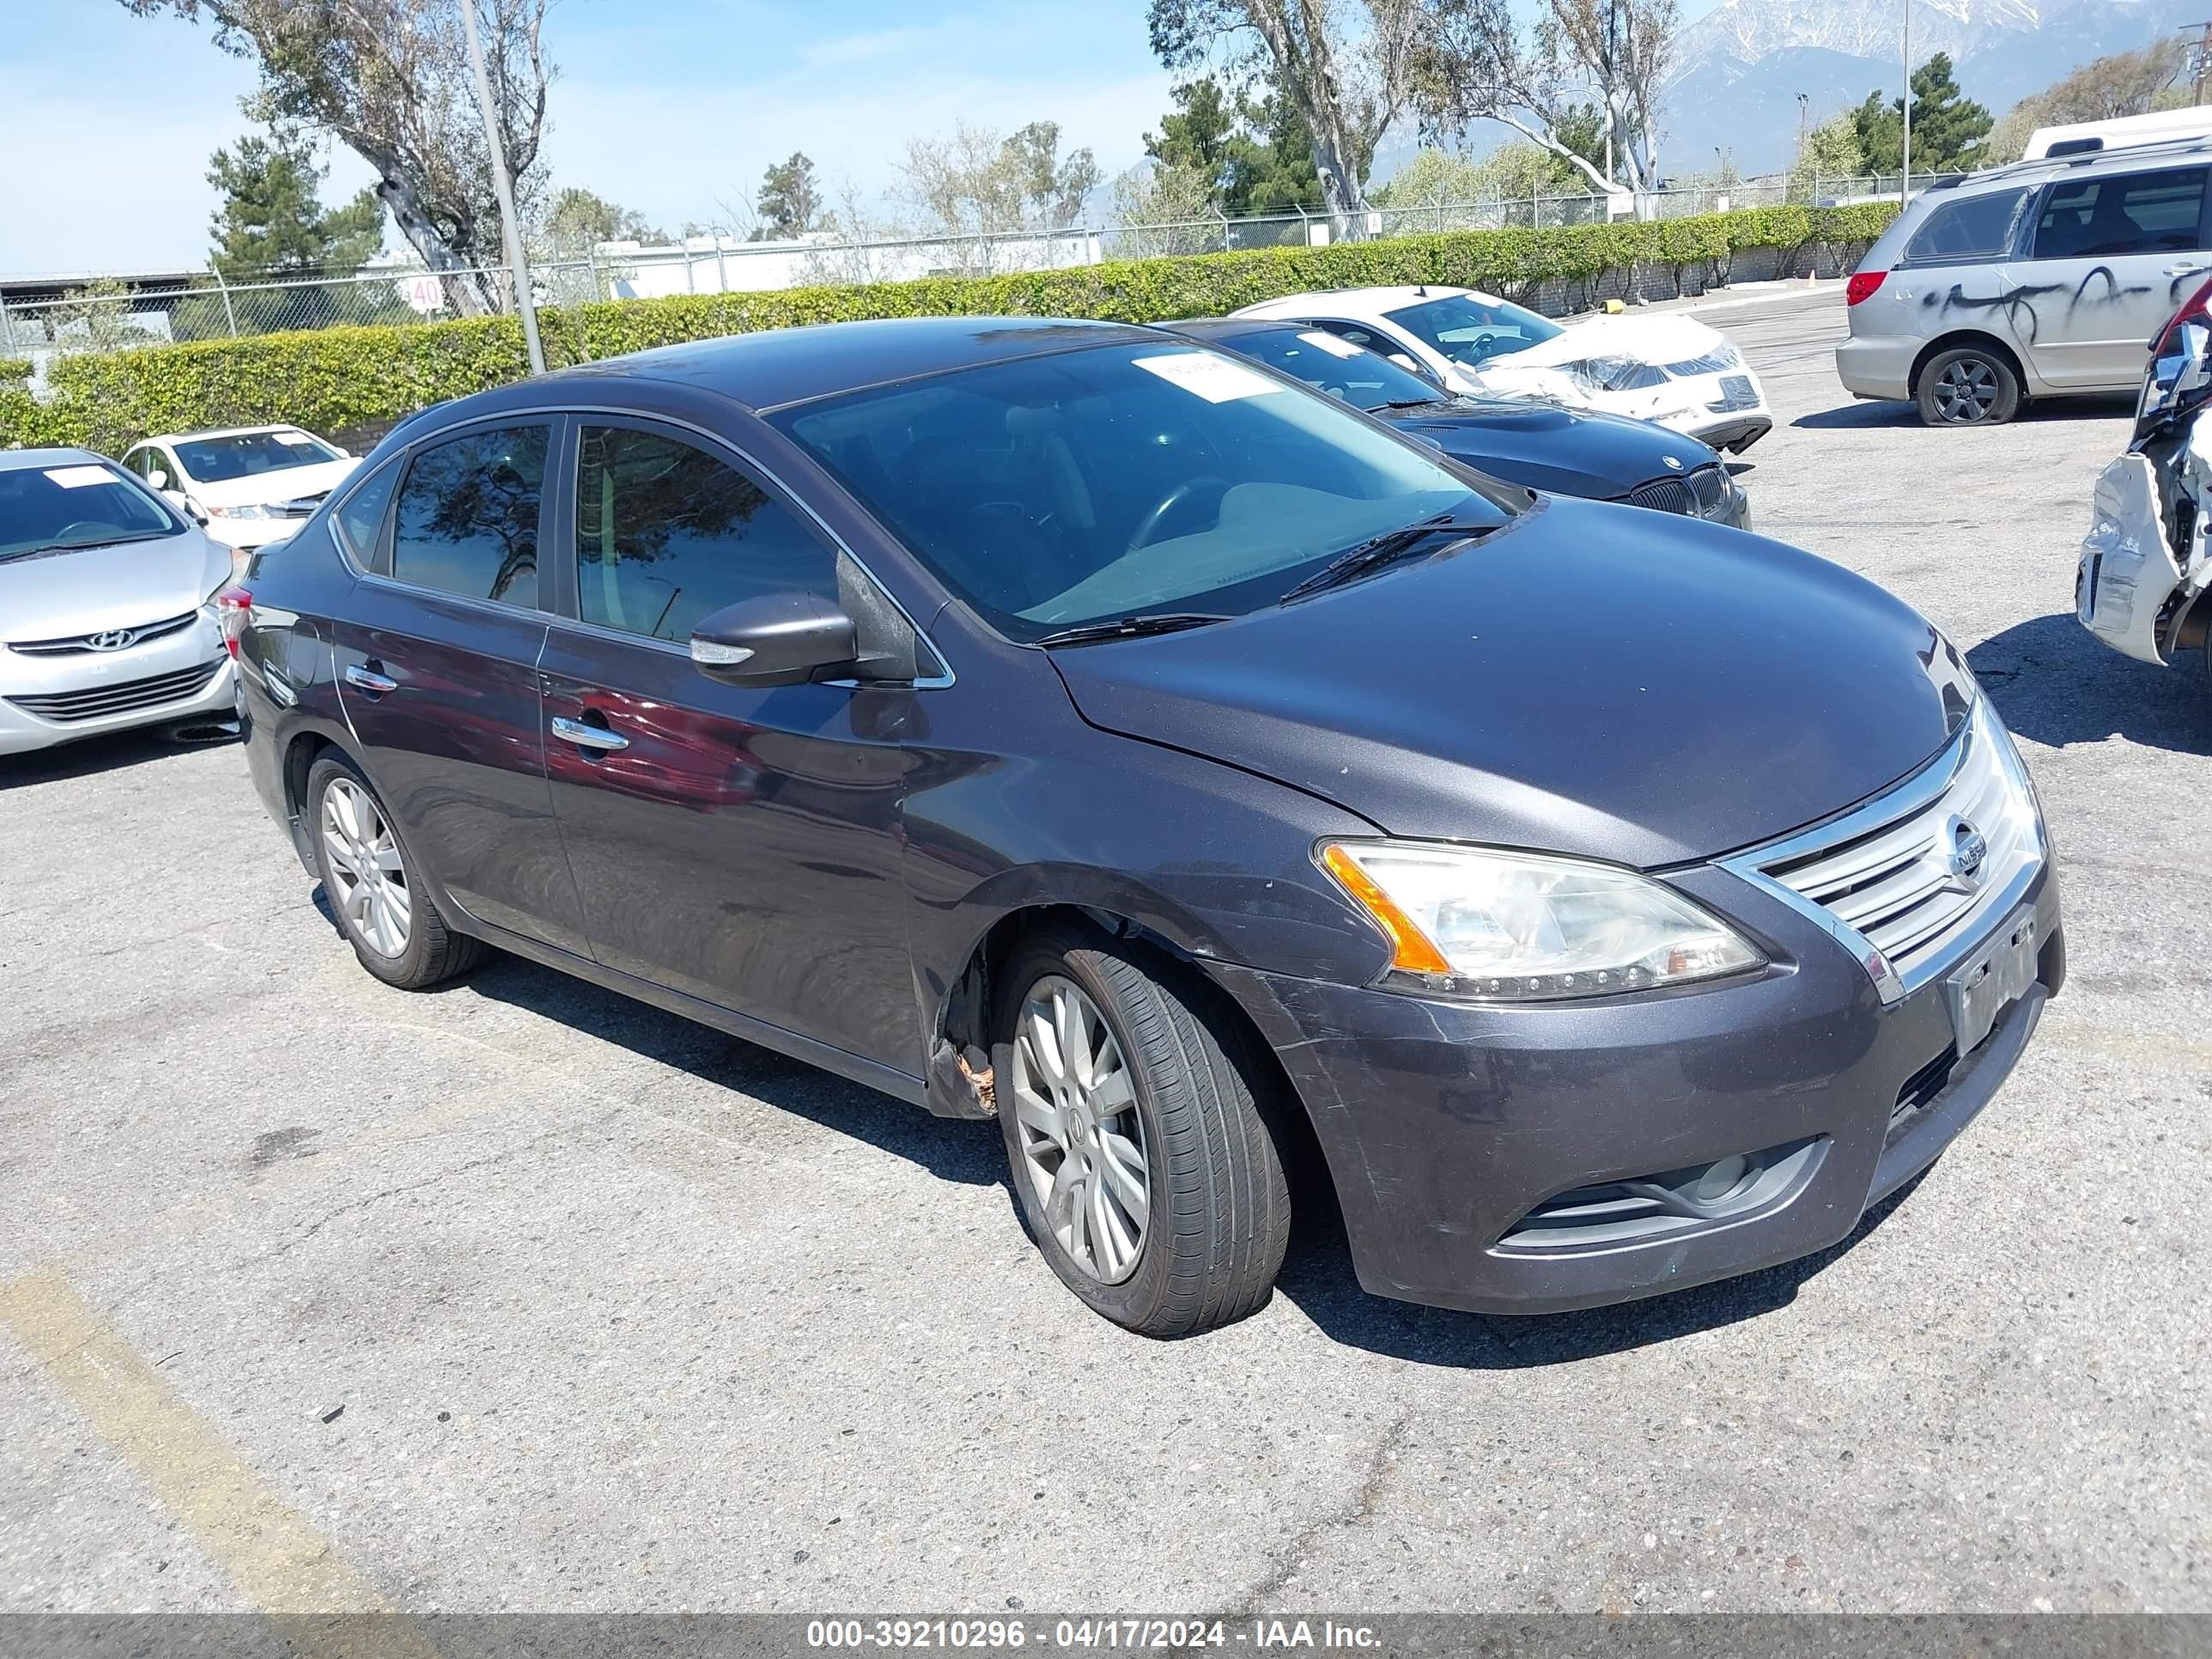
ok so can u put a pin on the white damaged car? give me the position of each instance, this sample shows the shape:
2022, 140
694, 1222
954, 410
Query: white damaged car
2145, 562
1665, 367
250, 485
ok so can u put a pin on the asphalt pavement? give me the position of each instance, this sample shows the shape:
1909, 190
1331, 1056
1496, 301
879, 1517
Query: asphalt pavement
315, 1294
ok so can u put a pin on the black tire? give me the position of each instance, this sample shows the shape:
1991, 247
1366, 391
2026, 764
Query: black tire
1219, 1207
432, 951
1968, 386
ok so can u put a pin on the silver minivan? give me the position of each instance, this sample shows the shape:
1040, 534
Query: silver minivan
2044, 278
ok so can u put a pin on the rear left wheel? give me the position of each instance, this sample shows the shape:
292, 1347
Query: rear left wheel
1968, 387
393, 925
1142, 1162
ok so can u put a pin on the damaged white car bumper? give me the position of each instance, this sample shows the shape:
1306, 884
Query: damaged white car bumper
2131, 590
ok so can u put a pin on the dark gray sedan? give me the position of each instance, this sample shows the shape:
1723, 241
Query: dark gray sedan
1067, 723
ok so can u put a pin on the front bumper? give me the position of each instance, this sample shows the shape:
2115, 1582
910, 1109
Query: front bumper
1448, 1126
50, 700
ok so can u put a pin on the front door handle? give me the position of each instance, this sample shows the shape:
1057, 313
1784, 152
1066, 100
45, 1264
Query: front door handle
586, 736
368, 679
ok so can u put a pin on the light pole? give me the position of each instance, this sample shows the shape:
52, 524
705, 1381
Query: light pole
512, 232
1904, 181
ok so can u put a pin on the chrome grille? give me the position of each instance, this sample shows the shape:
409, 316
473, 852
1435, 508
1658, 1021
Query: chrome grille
1712, 362
63, 648
1736, 393
96, 701
1892, 879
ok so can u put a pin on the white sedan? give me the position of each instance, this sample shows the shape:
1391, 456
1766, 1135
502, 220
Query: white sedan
1667, 368
249, 484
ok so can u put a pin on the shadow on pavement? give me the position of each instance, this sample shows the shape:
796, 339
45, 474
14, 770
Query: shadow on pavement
1878, 413
2054, 682
86, 756
971, 1153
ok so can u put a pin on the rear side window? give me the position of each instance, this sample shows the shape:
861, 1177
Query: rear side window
468, 516
361, 515
2120, 214
666, 534
1976, 228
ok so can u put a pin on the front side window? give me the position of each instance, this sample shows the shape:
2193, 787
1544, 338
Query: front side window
1471, 331
51, 509
2106, 217
1117, 481
468, 513
667, 534
1337, 364
248, 454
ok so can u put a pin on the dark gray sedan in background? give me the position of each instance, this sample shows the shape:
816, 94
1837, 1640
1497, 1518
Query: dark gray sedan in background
1067, 723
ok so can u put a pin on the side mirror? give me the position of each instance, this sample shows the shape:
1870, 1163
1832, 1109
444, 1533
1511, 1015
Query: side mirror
159, 478
774, 639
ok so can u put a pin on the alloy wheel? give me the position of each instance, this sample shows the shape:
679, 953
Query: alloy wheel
363, 860
1965, 390
1081, 1136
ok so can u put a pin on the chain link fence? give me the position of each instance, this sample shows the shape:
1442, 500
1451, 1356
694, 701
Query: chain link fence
40, 320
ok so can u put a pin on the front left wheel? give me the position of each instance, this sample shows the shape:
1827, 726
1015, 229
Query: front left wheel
1132, 1108
393, 925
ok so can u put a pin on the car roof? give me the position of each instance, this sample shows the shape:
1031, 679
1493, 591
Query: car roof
771, 369
218, 432
2122, 158
1358, 302
21, 461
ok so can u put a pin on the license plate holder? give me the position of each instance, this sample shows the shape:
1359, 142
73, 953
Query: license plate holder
1995, 976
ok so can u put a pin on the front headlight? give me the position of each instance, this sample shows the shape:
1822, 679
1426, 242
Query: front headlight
1522, 927
249, 511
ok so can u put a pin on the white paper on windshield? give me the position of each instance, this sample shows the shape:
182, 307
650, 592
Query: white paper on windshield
76, 477
1214, 379
297, 440
1331, 344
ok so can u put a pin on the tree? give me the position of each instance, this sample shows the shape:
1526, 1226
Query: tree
1623, 49
1948, 128
975, 183
1165, 210
1345, 87
1256, 156
790, 201
577, 221
1511, 173
391, 80
2125, 83
1831, 151
272, 219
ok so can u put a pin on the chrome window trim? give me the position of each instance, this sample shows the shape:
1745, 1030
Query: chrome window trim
1916, 795
578, 411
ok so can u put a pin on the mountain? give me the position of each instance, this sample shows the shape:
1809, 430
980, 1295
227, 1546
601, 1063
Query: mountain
1738, 70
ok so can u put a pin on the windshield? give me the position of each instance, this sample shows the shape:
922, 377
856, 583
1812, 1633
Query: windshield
77, 505
1357, 375
245, 454
1118, 481
1471, 331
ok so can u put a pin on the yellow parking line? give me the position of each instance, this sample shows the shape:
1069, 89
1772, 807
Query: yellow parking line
279, 1562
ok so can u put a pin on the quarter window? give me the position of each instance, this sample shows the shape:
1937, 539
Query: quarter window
468, 516
1974, 227
361, 515
2121, 214
667, 534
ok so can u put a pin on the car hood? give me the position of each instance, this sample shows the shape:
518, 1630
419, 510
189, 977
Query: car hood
290, 485
1539, 370
1593, 680
1572, 451
52, 596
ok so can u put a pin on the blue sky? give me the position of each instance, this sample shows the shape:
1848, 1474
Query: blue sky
666, 106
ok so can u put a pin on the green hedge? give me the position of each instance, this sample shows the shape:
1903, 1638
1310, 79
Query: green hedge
335, 379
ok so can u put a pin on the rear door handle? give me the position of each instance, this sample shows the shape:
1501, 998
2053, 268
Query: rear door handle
368, 679
587, 737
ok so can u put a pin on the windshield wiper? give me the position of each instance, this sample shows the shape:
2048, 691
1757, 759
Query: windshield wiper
1368, 555
1129, 628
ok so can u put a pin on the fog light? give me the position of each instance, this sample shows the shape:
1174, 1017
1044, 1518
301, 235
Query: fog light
1722, 1178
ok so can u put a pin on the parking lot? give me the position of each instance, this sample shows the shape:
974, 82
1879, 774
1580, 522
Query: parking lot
516, 1295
